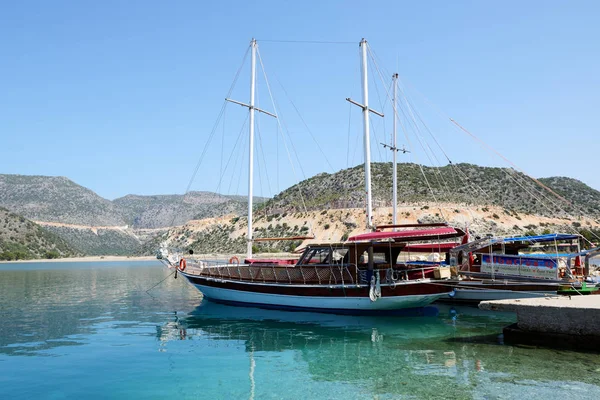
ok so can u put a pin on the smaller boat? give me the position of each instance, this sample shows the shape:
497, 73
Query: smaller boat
495, 268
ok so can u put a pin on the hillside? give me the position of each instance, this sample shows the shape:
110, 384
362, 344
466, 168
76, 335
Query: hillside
21, 239
582, 195
151, 212
488, 200
56, 199
97, 226
228, 235
460, 183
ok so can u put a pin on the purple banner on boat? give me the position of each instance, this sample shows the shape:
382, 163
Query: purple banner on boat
519, 265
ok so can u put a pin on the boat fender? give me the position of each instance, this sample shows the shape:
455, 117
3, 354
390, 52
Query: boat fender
452, 293
372, 289
234, 260
182, 264
375, 289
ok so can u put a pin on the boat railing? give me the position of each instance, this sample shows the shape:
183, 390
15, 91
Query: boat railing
322, 274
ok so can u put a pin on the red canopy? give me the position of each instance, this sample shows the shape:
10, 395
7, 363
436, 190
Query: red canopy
410, 235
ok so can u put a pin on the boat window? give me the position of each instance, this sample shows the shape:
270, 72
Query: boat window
319, 255
340, 256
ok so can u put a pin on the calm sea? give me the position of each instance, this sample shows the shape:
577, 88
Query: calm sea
91, 331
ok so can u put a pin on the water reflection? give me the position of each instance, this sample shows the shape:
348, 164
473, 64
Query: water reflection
97, 324
425, 357
57, 305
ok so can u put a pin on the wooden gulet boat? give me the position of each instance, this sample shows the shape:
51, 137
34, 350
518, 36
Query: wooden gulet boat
361, 275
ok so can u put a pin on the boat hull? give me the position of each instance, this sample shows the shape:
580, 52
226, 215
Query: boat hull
476, 296
477, 291
322, 298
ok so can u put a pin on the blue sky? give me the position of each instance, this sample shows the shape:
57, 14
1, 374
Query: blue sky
121, 96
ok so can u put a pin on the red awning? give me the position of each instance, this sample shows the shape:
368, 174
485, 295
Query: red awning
409, 235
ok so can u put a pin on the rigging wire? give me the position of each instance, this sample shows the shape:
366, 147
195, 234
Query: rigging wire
488, 147
305, 125
509, 162
261, 153
532, 179
231, 156
304, 41
454, 169
412, 110
245, 139
258, 142
283, 138
382, 107
436, 164
358, 135
210, 137
514, 177
416, 156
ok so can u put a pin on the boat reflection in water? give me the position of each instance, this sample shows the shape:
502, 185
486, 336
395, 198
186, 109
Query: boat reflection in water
446, 356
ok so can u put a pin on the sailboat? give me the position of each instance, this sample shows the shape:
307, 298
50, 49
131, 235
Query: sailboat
361, 275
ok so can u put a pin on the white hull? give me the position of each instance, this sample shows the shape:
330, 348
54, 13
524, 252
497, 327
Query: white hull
317, 303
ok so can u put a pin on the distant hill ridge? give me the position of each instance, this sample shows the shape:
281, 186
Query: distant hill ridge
458, 183
132, 224
160, 211
58, 199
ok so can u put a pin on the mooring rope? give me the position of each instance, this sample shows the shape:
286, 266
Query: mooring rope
148, 291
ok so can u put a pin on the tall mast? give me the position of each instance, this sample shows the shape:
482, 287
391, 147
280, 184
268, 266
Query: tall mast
251, 147
394, 162
252, 108
367, 143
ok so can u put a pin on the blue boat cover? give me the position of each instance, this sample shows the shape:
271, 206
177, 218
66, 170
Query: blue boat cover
540, 238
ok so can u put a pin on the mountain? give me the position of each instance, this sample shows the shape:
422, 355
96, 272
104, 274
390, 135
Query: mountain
56, 199
455, 183
96, 226
160, 211
490, 200
22, 239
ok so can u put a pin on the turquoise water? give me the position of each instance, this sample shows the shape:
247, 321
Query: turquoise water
90, 330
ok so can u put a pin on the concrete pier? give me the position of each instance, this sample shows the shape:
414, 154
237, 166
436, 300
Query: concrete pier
561, 321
